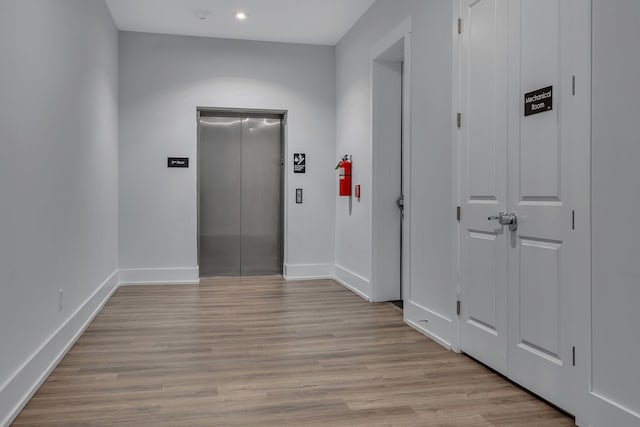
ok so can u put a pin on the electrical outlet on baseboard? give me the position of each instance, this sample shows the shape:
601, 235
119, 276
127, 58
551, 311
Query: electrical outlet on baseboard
60, 300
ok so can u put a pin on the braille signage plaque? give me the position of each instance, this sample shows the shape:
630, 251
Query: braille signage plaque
178, 162
538, 101
299, 163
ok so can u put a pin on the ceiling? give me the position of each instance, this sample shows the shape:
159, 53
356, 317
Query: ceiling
322, 22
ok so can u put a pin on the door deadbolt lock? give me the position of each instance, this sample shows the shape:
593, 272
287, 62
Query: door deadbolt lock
503, 218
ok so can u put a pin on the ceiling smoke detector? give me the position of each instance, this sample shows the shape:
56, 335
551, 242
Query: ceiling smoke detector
202, 15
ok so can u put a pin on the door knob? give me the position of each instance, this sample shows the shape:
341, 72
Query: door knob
503, 218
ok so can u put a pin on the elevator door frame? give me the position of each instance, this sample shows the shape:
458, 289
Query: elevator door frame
248, 113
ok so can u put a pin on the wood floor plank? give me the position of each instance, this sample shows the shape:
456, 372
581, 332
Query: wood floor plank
265, 352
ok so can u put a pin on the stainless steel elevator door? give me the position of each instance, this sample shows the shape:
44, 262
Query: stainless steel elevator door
261, 201
220, 158
240, 181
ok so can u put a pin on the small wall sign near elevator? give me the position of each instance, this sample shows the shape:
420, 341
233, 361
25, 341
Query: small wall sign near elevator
299, 163
178, 162
538, 101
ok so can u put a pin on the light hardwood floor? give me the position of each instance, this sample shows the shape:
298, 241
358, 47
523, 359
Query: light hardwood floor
265, 352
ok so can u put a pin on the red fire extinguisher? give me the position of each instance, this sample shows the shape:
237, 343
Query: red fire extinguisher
345, 176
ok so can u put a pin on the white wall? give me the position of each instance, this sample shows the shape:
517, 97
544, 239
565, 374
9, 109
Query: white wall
58, 180
615, 205
163, 79
433, 287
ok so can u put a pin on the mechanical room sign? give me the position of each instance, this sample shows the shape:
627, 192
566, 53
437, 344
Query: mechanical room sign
538, 101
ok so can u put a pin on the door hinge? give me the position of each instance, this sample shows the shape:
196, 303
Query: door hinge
458, 307
573, 85
573, 220
459, 120
459, 25
459, 213
574, 356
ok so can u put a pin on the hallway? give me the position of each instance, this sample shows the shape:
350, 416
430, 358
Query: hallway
262, 351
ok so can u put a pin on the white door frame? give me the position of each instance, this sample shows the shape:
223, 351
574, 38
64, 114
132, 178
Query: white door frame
383, 290
456, 137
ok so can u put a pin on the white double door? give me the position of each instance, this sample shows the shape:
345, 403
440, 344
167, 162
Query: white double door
519, 292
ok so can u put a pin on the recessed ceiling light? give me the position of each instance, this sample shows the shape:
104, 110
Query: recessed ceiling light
203, 15
241, 16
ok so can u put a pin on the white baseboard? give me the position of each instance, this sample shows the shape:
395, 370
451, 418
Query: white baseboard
434, 325
160, 276
444, 343
354, 282
308, 271
16, 392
